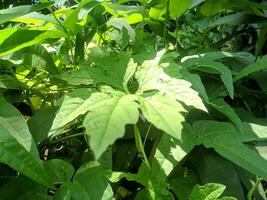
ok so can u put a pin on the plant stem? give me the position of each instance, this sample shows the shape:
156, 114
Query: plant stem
67, 137
139, 145
251, 192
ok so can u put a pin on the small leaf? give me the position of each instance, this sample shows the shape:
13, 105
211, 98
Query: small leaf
210, 191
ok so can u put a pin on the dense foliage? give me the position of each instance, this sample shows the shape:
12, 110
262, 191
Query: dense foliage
146, 99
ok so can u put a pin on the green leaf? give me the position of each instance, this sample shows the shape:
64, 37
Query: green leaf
72, 105
61, 170
260, 64
109, 68
15, 122
119, 24
196, 82
40, 123
210, 191
107, 119
213, 67
181, 90
178, 7
164, 113
89, 183
129, 73
72, 191
37, 56
14, 39
226, 140
12, 13
212, 168
170, 152
228, 111
183, 183
77, 77
14, 154
76, 15
149, 76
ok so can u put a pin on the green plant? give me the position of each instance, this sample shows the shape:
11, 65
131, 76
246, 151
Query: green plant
133, 100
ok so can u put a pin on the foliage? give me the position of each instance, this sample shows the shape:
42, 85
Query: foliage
146, 99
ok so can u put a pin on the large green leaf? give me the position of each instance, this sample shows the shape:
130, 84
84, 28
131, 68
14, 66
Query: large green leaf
15, 121
21, 187
164, 113
72, 105
178, 7
14, 154
40, 123
212, 168
89, 184
210, 66
228, 111
12, 13
170, 152
196, 82
151, 76
107, 119
14, 39
181, 90
260, 64
109, 67
226, 140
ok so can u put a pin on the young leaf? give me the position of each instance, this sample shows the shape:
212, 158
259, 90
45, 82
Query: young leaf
107, 119
210, 191
119, 24
164, 113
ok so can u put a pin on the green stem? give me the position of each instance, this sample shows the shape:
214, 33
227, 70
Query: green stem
139, 145
147, 132
67, 137
251, 192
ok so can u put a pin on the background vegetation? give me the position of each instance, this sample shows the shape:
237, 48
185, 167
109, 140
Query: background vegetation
146, 99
